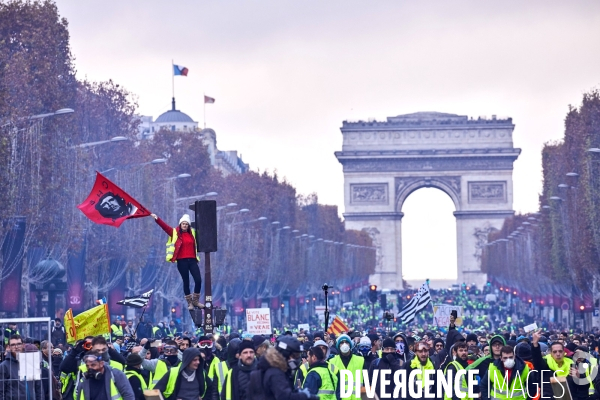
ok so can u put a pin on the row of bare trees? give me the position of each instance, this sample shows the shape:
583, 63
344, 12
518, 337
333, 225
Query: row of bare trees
557, 250
284, 242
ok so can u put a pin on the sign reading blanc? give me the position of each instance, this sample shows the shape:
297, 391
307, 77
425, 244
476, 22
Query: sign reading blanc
441, 315
258, 321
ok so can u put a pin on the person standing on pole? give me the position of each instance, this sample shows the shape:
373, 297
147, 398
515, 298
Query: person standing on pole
181, 248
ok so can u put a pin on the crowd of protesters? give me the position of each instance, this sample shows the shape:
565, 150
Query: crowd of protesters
294, 364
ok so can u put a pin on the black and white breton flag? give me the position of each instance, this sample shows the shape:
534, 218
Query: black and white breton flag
419, 301
138, 301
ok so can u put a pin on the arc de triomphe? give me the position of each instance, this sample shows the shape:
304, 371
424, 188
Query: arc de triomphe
469, 159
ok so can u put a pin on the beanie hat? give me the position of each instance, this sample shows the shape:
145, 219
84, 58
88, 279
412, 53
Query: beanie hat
134, 359
438, 340
258, 340
320, 343
364, 341
185, 218
388, 342
523, 351
246, 344
373, 336
471, 337
319, 334
341, 339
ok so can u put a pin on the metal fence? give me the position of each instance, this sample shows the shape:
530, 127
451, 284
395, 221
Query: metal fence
23, 374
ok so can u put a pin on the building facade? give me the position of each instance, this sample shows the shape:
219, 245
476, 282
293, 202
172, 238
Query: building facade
228, 162
469, 159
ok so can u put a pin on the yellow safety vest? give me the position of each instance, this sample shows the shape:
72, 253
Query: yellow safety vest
329, 383
160, 370
117, 330
356, 364
218, 368
114, 392
416, 364
553, 365
518, 387
173, 372
171, 244
463, 382
130, 373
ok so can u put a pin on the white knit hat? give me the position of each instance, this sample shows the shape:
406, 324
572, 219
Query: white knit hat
185, 218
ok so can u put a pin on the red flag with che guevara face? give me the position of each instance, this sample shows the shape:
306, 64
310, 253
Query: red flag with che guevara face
108, 204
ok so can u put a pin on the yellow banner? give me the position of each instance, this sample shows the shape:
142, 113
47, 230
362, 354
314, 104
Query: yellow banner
92, 322
70, 326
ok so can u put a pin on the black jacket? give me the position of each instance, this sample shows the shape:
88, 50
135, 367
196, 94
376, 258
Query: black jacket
387, 362
239, 391
273, 379
13, 388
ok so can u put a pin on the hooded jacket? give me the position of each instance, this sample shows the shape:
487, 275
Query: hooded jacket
483, 364
408, 355
120, 379
199, 379
13, 388
273, 378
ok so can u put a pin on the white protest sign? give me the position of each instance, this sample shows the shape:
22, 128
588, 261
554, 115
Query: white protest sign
441, 315
306, 327
258, 321
29, 366
531, 327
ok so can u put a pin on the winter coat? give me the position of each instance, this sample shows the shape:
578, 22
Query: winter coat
236, 384
58, 335
119, 378
484, 384
384, 363
11, 388
200, 378
273, 378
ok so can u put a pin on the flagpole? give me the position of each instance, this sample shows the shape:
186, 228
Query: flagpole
138, 324
204, 100
173, 78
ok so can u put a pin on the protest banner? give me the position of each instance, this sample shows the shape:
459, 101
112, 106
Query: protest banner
258, 321
441, 315
92, 322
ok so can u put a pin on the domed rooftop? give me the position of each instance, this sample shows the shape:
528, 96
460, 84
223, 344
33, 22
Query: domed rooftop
49, 268
173, 115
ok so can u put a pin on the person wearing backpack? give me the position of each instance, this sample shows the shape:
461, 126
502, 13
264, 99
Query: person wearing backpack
58, 334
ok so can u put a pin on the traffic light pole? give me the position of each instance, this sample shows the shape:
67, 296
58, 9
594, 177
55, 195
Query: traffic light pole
208, 310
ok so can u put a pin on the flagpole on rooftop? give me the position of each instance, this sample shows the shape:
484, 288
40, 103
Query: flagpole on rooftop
173, 78
204, 101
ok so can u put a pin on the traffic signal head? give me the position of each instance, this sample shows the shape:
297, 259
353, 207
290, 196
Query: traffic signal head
373, 293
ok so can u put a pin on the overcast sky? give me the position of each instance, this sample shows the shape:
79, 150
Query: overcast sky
285, 74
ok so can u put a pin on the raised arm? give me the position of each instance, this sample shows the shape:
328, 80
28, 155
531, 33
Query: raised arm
165, 227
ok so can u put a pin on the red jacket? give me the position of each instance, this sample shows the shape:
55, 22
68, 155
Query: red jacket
185, 246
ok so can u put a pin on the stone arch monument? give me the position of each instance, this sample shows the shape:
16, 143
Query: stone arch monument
471, 160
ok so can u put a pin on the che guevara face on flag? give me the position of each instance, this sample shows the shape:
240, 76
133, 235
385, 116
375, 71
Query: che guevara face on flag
110, 205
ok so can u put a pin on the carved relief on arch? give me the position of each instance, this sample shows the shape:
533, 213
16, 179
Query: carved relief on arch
404, 186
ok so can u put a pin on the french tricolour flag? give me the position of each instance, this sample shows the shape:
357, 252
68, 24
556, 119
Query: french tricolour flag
179, 70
